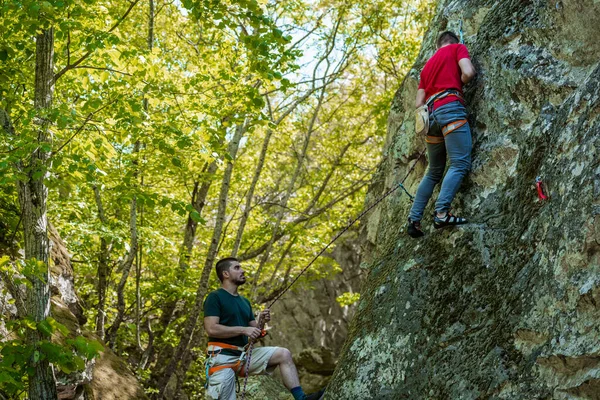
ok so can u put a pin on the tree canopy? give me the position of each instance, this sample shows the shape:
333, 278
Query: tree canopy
172, 133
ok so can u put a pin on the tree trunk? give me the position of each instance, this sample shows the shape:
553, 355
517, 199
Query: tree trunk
33, 195
138, 279
198, 340
103, 268
139, 258
134, 244
198, 201
125, 267
250, 194
192, 320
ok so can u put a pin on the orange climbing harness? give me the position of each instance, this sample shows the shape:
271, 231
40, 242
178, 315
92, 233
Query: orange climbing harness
452, 126
214, 348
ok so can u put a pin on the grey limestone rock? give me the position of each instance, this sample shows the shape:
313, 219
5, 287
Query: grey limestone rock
506, 307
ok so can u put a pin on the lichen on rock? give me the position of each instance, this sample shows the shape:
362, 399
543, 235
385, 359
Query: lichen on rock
505, 307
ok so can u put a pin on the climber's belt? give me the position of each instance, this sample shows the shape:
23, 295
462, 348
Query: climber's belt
440, 95
218, 346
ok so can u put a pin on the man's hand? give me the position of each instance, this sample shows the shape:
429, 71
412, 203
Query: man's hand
265, 316
252, 333
467, 70
420, 100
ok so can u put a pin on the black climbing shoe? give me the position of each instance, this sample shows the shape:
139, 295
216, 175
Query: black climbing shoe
448, 220
414, 229
315, 396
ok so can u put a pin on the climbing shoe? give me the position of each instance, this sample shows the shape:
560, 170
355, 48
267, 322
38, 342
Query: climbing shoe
315, 396
448, 220
414, 229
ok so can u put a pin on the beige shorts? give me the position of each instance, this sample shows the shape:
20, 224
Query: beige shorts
221, 384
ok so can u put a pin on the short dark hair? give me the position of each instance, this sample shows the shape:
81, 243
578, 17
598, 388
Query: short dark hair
447, 37
223, 265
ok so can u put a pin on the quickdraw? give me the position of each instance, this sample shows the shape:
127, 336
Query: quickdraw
540, 188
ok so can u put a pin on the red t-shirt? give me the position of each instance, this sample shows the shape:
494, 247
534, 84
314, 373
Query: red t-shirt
442, 72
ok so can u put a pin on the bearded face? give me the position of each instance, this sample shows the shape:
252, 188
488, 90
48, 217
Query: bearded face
237, 275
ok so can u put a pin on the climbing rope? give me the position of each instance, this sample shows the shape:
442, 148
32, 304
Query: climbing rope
250, 347
379, 200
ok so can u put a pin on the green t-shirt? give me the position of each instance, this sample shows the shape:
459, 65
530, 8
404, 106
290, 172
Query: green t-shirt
232, 311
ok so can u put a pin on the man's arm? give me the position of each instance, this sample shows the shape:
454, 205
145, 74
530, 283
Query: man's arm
467, 70
420, 98
216, 330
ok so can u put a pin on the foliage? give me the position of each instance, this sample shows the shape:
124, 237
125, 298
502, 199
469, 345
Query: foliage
59, 346
18, 358
141, 117
348, 298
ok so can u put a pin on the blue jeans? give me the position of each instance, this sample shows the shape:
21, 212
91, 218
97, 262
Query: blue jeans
457, 145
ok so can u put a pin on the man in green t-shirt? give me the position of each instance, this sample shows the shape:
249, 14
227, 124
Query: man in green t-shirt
229, 323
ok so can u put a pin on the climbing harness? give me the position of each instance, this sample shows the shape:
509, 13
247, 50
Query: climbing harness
440, 95
540, 188
373, 205
214, 349
452, 126
422, 125
435, 133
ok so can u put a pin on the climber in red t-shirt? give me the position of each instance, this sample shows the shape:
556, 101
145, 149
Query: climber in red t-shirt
440, 88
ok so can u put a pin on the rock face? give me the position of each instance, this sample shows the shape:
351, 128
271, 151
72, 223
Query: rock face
508, 306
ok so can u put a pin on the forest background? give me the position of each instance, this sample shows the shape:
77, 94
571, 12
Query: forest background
158, 136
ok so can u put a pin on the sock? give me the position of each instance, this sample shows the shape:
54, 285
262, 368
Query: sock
298, 393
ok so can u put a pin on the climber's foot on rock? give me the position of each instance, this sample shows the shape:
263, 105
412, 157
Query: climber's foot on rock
447, 219
414, 229
315, 396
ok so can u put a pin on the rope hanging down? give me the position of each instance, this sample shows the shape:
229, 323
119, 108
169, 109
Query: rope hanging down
362, 214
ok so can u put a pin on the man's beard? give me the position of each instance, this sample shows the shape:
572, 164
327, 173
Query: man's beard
240, 281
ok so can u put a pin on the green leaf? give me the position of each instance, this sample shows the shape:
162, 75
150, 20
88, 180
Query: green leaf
89, 348
29, 323
196, 217
57, 326
3, 55
45, 328
37, 175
